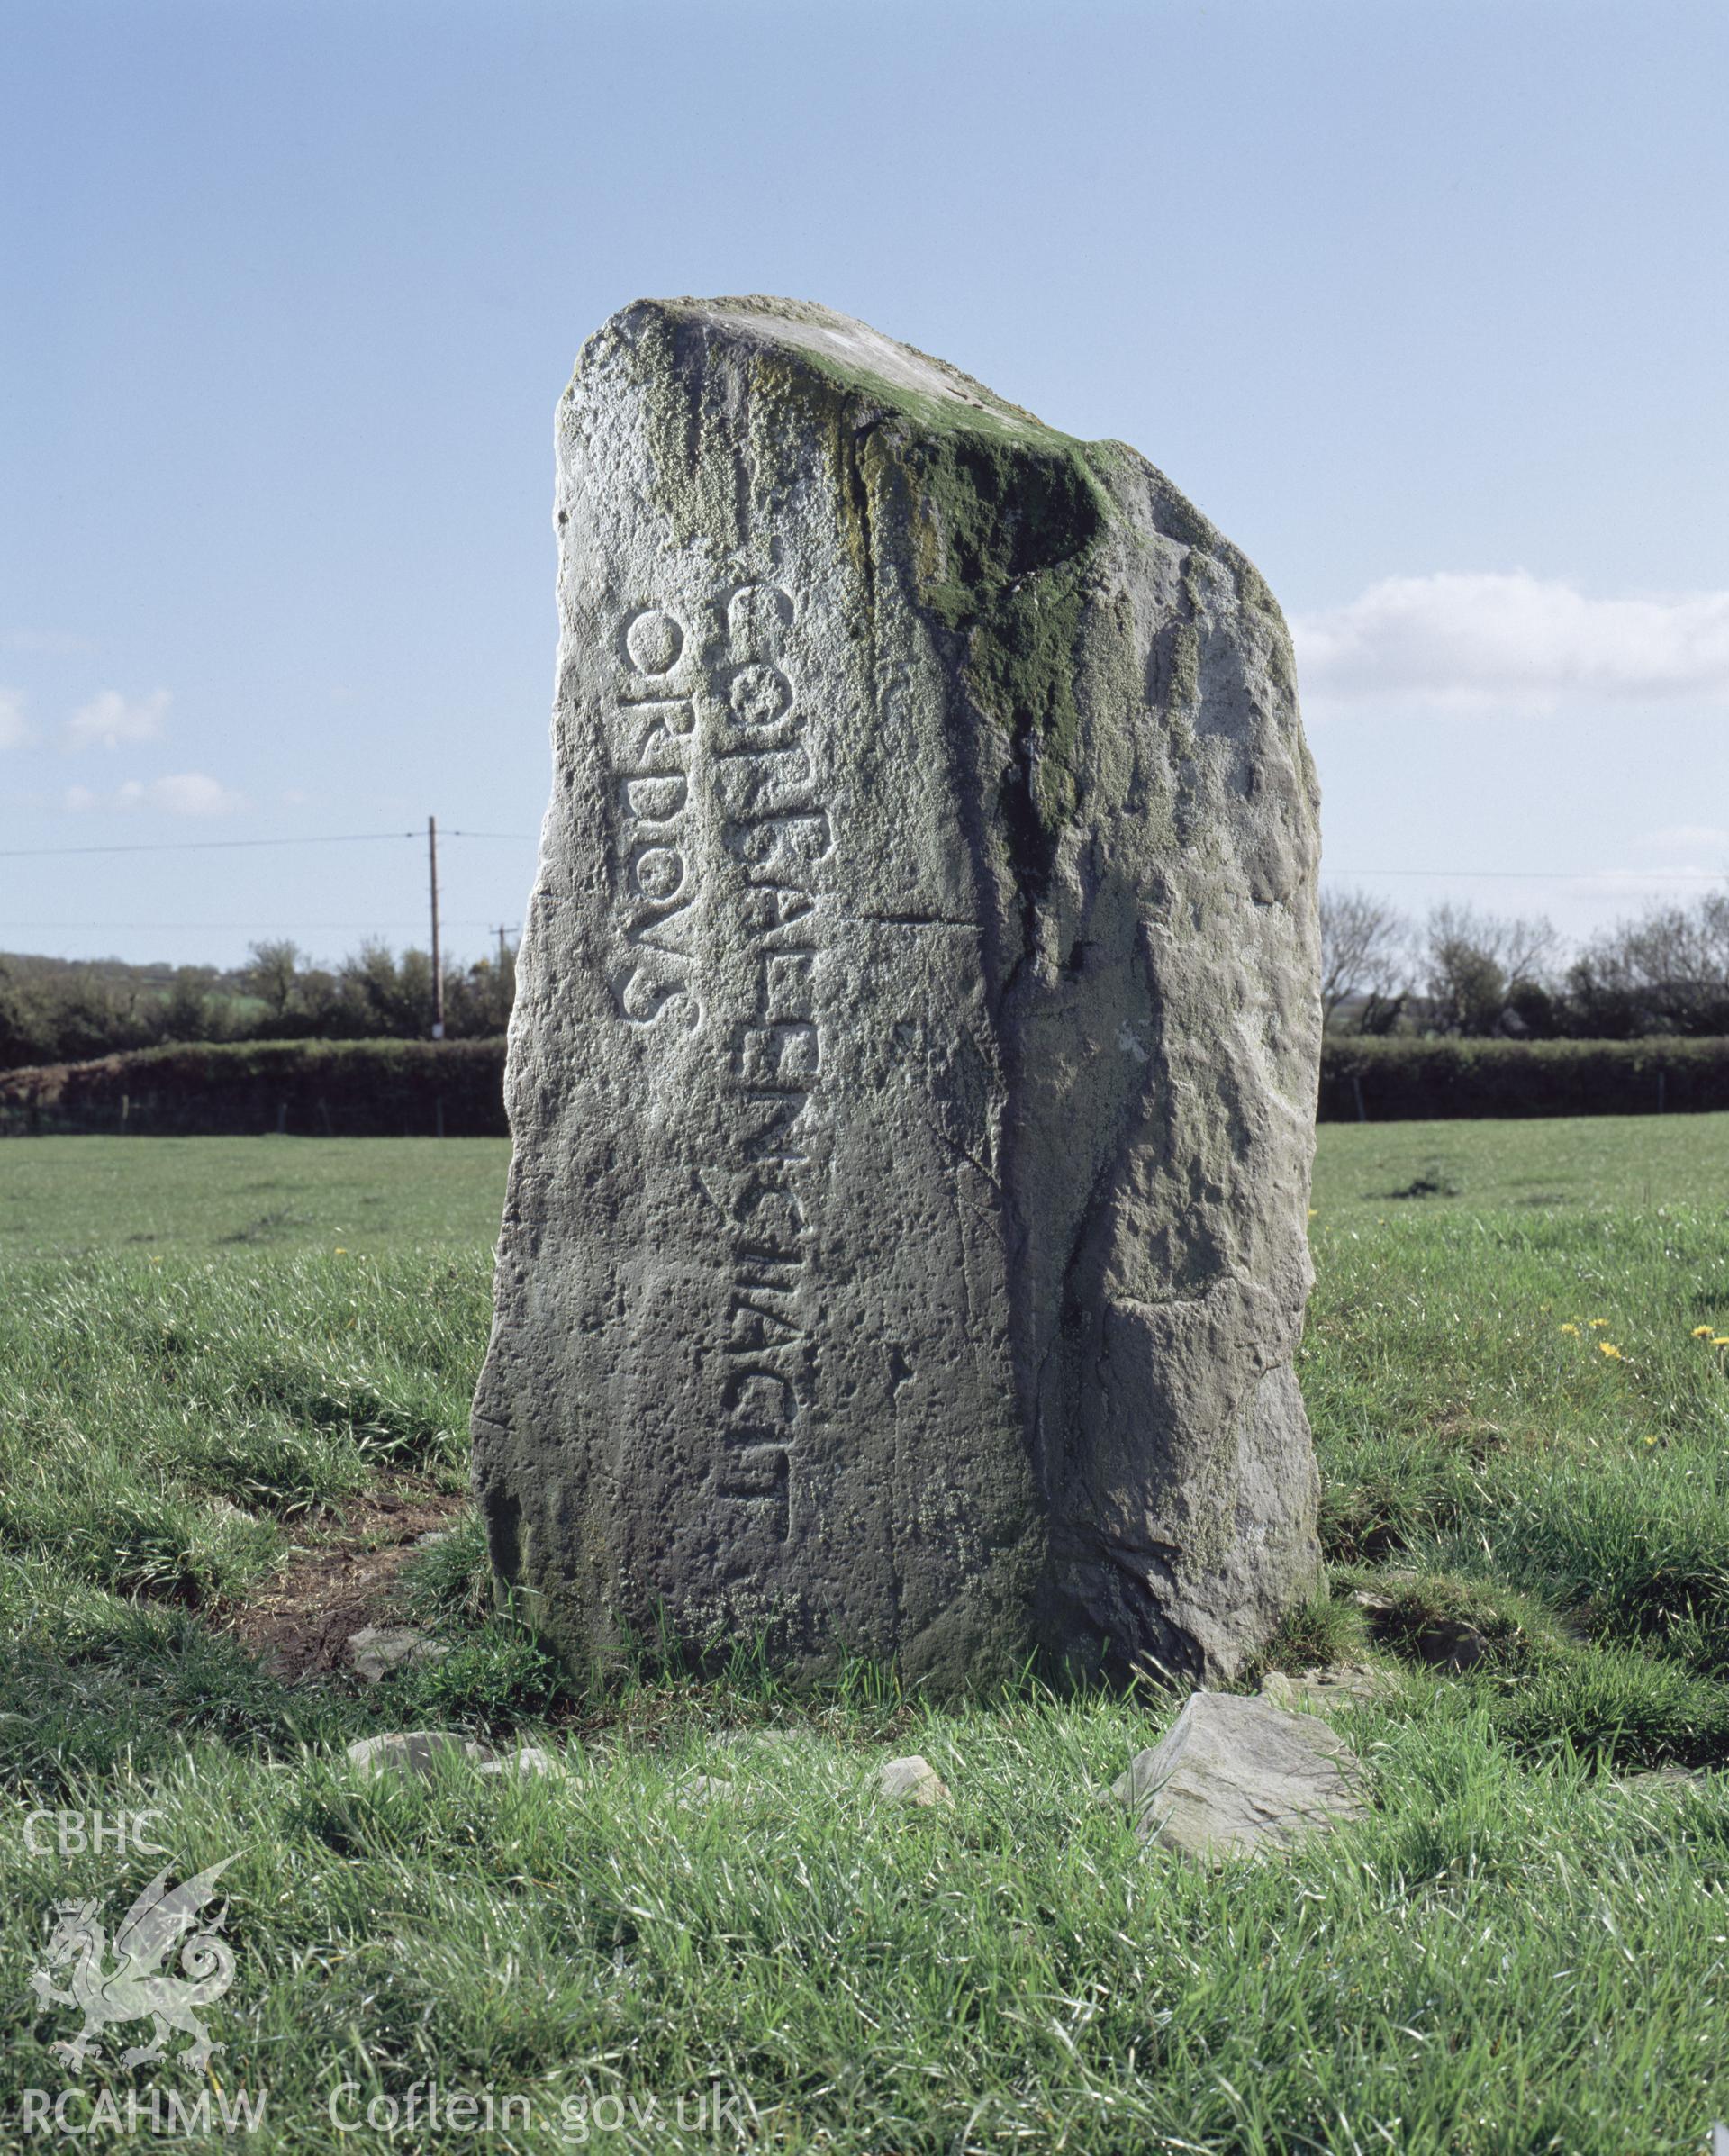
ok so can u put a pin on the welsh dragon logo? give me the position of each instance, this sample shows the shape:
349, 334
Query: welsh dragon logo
135, 1985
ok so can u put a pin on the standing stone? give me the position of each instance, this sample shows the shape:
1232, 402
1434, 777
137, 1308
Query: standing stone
913, 1067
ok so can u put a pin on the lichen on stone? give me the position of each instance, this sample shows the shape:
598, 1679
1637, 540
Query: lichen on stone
927, 1279
1003, 513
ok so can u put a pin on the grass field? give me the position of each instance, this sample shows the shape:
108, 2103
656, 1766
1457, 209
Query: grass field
227, 1197
213, 1354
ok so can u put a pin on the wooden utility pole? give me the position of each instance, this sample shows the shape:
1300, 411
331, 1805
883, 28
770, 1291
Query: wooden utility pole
437, 963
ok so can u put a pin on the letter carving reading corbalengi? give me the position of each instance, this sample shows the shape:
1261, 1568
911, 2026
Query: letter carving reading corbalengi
913, 1068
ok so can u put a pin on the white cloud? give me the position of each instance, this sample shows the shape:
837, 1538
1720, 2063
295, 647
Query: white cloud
112, 719
186, 793
182, 793
50, 643
1688, 837
14, 729
1511, 642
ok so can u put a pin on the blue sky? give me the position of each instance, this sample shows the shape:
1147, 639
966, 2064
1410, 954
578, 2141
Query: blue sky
1423, 303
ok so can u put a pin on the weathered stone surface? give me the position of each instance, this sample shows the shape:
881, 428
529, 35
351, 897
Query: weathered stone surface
910, 1780
914, 1058
1234, 1777
531, 1762
1669, 1780
706, 1789
1340, 1684
375, 1651
410, 1751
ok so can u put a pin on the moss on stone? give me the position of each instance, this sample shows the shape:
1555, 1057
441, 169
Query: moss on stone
1003, 513
689, 442
1007, 521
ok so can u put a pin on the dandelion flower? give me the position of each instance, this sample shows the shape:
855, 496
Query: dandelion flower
340, 1252
1608, 1347
1722, 1340
1650, 1441
1573, 1329
1600, 1325
1701, 1332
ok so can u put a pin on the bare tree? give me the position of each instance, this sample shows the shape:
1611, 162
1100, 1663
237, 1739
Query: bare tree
1529, 950
1365, 945
272, 974
1481, 967
1667, 970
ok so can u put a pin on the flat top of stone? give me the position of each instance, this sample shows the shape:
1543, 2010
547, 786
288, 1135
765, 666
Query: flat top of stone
864, 357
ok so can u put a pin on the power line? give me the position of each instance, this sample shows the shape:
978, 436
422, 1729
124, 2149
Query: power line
1551, 875
201, 846
192, 846
272, 926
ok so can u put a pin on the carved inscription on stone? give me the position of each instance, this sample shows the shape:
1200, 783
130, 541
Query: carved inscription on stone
912, 1074
722, 837
654, 739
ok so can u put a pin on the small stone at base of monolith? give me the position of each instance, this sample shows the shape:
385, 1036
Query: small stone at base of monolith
706, 1789
1660, 1781
910, 1780
1339, 1684
376, 1650
414, 1751
1236, 1777
529, 1761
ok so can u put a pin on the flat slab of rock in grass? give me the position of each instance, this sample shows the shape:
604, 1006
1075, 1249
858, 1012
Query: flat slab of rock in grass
706, 1789
913, 1065
910, 1780
1660, 1782
1236, 1777
375, 1651
1341, 1683
414, 1751
529, 1761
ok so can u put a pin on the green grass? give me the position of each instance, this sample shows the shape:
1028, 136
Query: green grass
234, 1196
1520, 1949
1536, 1166
62, 1196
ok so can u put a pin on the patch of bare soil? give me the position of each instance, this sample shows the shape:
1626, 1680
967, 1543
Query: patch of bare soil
299, 1623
